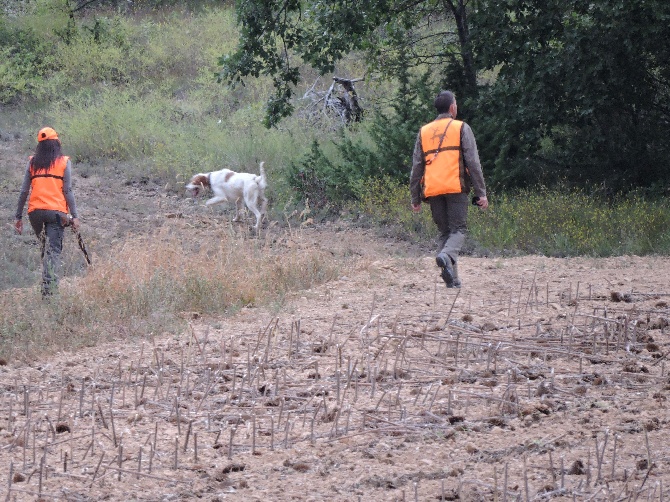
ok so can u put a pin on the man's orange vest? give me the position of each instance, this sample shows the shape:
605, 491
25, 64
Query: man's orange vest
443, 157
46, 190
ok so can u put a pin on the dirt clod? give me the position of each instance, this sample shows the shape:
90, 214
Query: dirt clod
577, 468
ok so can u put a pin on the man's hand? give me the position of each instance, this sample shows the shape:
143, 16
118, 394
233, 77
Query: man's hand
483, 202
416, 208
75, 224
18, 225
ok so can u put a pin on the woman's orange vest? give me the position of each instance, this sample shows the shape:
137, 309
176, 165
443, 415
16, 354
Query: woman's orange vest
46, 188
443, 172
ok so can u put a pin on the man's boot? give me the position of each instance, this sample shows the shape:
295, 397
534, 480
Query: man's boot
444, 262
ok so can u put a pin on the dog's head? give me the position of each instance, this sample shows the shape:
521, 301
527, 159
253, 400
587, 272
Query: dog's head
197, 184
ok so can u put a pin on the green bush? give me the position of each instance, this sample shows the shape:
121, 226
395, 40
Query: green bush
313, 177
380, 148
25, 60
113, 124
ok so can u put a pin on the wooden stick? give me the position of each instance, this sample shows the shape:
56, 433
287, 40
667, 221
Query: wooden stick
9, 481
253, 435
272, 434
151, 454
111, 420
600, 456
525, 476
188, 434
139, 463
95, 473
81, 400
120, 460
60, 406
230, 443
646, 442
458, 293
505, 484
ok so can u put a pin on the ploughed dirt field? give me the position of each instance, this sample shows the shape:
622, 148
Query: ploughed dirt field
539, 379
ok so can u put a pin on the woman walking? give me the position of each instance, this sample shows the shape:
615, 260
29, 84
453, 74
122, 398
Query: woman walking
47, 187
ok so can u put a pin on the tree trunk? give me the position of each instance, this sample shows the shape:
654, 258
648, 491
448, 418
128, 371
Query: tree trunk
458, 9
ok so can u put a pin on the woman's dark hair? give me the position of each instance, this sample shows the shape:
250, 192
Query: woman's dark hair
443, 101
46, 152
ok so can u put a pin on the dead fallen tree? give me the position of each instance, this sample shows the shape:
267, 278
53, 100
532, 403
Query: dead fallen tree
340, 100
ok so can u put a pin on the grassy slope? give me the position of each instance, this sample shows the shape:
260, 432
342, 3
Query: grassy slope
136, 102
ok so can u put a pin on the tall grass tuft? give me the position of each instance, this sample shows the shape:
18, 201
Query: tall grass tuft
147, 283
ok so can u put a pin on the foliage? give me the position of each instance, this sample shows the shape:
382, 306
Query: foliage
277, 37
570, 223
552, 222
25, 59
312, 179
582, 93
538, 121
380, 149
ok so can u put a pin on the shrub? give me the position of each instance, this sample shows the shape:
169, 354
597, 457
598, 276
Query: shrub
312, 178
385, 148
25, 59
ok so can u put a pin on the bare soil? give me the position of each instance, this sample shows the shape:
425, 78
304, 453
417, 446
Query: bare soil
539, 379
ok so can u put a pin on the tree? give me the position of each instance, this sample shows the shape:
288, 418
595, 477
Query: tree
556, 90
582, 92
277, 36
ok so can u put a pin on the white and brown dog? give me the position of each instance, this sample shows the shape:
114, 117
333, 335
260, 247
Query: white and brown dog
229, 186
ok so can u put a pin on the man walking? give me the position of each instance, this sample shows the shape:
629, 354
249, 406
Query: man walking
445, 167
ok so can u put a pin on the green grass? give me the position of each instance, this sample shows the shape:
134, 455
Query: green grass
551, 222
558, 222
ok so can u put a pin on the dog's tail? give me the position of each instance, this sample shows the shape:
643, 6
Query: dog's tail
262, 182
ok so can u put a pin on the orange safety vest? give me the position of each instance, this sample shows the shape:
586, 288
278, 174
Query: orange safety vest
46, 188
444, 170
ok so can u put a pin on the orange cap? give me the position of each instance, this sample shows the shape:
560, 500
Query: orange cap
46, 133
